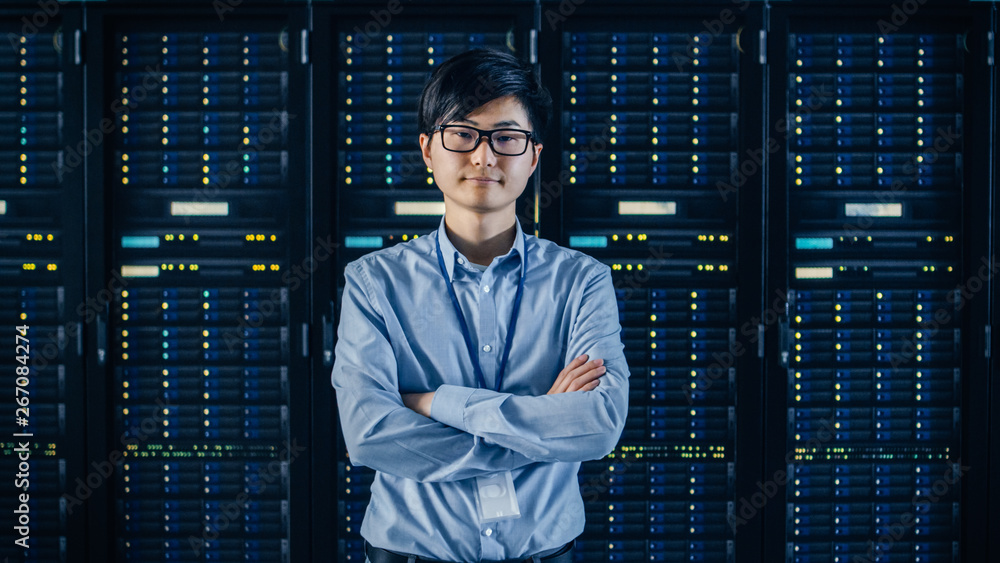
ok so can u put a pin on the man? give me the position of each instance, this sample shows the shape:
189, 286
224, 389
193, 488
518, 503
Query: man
450, 346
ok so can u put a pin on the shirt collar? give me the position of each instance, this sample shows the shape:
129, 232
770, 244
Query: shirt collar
451, 254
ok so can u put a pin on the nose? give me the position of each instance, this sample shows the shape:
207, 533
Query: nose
483, 154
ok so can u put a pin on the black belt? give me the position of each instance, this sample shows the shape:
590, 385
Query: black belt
378, 555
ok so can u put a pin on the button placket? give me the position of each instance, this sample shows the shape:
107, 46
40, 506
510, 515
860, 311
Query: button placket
488, 330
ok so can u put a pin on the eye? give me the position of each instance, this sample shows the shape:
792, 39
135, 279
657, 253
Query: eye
504, 139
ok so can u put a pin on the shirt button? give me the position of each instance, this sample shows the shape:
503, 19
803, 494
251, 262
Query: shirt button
487, 348
489, 532
461, 260
486, 288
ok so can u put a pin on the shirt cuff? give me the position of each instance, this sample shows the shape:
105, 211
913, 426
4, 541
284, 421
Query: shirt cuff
448, 406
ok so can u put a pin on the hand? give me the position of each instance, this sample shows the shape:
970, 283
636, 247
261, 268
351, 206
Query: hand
419, 402
579, 375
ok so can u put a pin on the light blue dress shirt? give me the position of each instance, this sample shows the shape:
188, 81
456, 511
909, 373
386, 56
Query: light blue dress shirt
399, 333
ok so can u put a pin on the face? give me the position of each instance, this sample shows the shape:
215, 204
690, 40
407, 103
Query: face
481, 181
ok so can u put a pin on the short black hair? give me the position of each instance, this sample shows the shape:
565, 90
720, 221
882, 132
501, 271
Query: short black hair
470, 79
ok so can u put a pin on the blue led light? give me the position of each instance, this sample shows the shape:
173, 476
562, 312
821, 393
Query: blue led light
141, 242
363, 242
596, 241
824, 243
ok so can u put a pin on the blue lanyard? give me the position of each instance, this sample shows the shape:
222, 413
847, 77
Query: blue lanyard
465, 328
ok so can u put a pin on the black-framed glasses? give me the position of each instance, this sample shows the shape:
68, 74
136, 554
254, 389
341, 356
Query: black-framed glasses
506, 142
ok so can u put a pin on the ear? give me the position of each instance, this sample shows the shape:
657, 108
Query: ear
425, 149
536, 150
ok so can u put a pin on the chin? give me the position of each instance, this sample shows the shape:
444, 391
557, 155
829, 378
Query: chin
485, 207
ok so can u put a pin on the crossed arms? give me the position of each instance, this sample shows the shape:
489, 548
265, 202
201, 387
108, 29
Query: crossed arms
460, 432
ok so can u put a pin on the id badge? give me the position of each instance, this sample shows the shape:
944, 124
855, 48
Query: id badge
497, 500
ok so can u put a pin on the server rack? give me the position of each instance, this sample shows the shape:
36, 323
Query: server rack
384, 191
42, 302
205, 346
655, 115
883, 352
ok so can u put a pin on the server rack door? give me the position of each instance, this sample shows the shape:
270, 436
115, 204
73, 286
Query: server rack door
882, 244
385, 193
42, 301
207, 228
650, 111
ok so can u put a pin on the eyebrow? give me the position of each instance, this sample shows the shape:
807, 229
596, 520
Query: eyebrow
505, 123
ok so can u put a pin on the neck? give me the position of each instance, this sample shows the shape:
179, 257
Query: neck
481, 238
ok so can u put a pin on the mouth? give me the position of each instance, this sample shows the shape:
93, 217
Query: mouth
483, 180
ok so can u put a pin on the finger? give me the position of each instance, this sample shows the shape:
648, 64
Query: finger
587, 378
591, 365
570, 374
561, 380
578, 361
